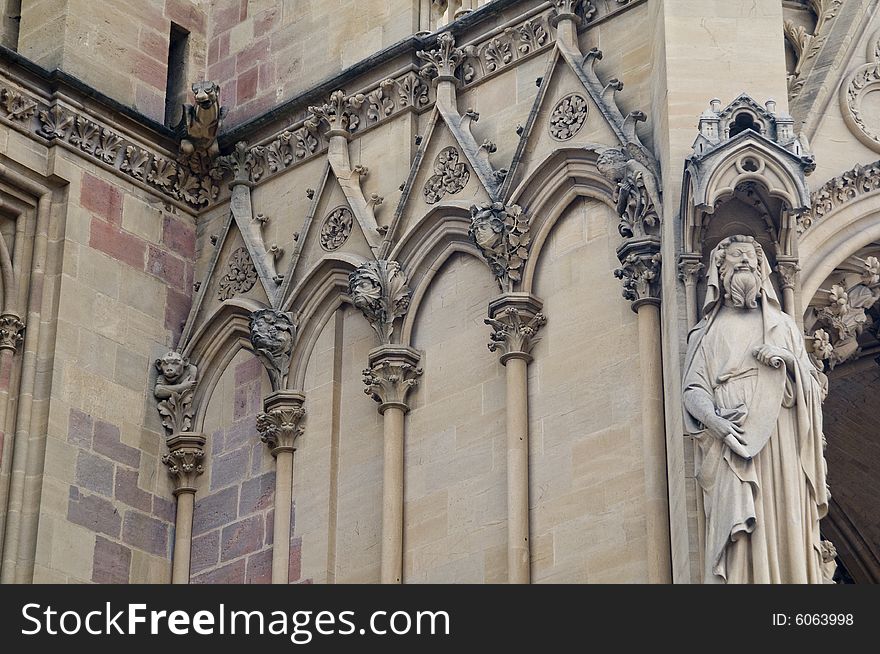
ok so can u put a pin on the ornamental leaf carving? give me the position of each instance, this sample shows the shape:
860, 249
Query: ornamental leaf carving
85, 135
16, 105
163, 174
443, 60
449, 176
55, 123
379, 289
240, 277
135, 161
413, 92
532, 36
380, 101
109, 147
501, 233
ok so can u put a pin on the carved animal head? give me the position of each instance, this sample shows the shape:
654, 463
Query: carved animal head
171, 366
206, 94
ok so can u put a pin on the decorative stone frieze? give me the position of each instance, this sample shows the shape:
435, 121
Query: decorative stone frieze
501, 233
241, 162
839, 190
336, 228
450, 175
392, 374
16, 105
568, 117
175, 386
279, 424
186, 452
11, 328
272, 336
240, 277
339, 113
640, 270
515, 319
379, 289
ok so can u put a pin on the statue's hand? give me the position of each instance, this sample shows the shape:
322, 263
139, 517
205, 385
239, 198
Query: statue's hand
189, 384
774, 356
721, 428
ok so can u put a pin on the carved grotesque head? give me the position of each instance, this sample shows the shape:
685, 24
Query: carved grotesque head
206, 93
271, 331
488, 225
739, 260
171, 366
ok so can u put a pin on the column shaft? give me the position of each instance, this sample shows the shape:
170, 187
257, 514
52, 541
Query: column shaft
392, 497
517, 470
180, 565
281, 526
654, 444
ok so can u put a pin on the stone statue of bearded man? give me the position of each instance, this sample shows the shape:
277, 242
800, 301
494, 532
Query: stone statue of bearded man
752, 400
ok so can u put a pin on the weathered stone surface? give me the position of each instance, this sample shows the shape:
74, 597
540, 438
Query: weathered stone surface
112, 562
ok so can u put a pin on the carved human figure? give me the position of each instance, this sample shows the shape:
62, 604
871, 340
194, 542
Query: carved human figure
175, 384
752, 400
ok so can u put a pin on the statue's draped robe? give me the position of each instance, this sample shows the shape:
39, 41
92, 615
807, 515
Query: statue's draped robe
762, 515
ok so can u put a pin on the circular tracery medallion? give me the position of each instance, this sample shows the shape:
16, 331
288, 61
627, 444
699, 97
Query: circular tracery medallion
336, 228
568, 116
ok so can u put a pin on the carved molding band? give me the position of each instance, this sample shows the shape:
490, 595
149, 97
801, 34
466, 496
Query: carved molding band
184, 461
11, 328
839, 190
449, 176
336, 228
568, 117
240, 277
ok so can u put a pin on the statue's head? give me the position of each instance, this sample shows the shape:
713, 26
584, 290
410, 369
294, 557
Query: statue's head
206, 93
271, 331
740, 260
171, 366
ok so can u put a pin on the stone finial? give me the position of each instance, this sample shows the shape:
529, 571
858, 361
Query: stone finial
11, 328
272, 335
501, 233
240, 162
340, 113
515, 319
379, 289
392, 374
640, 271
201, 122
442, 61
636, 193
186, 452
174, 389
279, 423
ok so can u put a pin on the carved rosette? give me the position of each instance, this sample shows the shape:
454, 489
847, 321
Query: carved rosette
640, 271
444, 60
272, 336
336, 228
568, 117
501, 233
240, 277
11, 328
379, 289
515, 319
279, 424
392, 374
186, 451
449, 176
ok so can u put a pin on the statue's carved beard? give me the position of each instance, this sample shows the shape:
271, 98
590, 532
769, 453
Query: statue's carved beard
742, 288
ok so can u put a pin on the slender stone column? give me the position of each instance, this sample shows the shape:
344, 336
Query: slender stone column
184, 460
393, 372
641, 283
689, 267
788, 270
515, 319
279, 428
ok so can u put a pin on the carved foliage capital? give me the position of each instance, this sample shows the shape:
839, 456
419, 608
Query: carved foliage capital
788, 273
379, 289
240, 162
689, 269
515, 319
442, 61
392, 374
501, 233
340, 113
640, 271
11, 328
279, 424
186, 451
